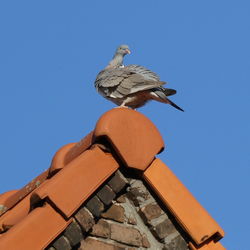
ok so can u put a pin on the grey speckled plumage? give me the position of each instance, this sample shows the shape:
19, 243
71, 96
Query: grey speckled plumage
131, 85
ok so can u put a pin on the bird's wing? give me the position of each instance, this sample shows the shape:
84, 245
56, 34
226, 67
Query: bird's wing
110, 77
120, 82
146, 73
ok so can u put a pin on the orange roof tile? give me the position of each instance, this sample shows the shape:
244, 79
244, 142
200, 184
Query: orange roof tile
21, 193
15, 214
194, 219
133, 136
69, 188
58, 161
3, 198
41, 226
70, 151
79, 148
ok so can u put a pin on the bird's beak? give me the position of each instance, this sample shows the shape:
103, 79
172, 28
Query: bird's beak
128, 51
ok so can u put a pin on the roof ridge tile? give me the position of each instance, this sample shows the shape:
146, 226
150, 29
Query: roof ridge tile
134, 138
190, 214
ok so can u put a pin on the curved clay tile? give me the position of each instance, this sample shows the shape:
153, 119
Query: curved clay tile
58, 161
69, 152
36, 231
16, 214
194, 219
79, 148
17, 196
133, 136
3, 197
77, 180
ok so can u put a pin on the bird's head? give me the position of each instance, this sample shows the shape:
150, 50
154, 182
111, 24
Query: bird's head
122, 50
117, 60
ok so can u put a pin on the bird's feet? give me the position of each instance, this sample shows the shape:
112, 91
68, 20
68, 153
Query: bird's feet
121, 106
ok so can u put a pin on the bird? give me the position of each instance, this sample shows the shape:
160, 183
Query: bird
133, 85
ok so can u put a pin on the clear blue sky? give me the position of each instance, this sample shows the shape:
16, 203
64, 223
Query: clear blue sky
51, 51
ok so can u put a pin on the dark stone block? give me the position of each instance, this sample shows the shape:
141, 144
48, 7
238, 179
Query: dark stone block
177, 243
106, 195
95, 206
62, 243
117, 182
151, 211
164, 229
73, 233
85, 219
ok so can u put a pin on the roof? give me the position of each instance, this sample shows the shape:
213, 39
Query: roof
89, 175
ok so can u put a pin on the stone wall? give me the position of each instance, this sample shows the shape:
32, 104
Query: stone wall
122, 214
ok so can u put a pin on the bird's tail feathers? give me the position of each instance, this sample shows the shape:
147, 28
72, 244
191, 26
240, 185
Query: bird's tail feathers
161, 91
160, 94
174, 105
168, 92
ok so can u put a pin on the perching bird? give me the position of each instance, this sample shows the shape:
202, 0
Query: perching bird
131, 86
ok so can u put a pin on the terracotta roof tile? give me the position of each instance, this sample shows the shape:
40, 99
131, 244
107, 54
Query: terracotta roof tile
79, 148
77, 180
3, 197
21, 193
194, 219
35, 232
16, 214
134, 137
58, 161
69, 152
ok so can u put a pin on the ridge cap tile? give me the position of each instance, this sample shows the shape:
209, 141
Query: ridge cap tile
189, 213
81, 146
69, 152
135, 139
58, 160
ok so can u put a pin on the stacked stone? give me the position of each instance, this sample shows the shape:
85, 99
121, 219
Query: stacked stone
121, 215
